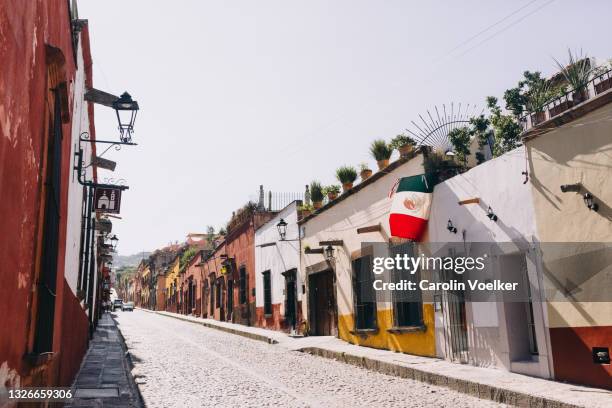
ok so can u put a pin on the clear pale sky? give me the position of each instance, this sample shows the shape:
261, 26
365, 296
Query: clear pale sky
242, 93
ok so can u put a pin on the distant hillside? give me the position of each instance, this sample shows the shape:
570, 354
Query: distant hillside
120, 261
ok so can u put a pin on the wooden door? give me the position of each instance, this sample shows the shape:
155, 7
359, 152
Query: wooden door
323, 299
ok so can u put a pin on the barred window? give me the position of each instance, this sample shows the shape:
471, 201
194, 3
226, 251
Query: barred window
243, 285
267, 284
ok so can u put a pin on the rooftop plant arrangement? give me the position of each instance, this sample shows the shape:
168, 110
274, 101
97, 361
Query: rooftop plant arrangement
316, 194
186, 257
242, 215
347, 176
365, 172
331, 191
403, 144
381, 152
306, 207
577, 72
532, 94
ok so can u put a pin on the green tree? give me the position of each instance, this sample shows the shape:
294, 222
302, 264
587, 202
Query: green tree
460, 139
506, 130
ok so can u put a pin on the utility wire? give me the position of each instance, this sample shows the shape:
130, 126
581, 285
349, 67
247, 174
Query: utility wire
495, 34
484, 30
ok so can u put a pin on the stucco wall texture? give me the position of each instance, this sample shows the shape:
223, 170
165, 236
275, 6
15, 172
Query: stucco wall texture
367, 207
26, 29
578, 152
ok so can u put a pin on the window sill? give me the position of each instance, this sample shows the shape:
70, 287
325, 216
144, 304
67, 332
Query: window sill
364, 332
38, 359
407, 329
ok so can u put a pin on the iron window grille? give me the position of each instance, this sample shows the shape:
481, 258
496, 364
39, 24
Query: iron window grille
243, 285
267, 284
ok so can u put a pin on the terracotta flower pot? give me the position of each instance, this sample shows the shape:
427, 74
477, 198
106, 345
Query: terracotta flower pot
347, 186
537, 118
365, 174
382, 164
305, 213
332, 196
405, 150
580, 96
317, 204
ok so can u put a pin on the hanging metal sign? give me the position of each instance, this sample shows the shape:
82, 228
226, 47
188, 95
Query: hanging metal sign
108, 200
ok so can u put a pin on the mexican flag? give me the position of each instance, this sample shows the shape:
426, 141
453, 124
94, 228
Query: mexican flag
410, 207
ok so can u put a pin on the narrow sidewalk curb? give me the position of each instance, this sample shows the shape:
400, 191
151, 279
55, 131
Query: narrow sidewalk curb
252, 336
130, 364
482, 391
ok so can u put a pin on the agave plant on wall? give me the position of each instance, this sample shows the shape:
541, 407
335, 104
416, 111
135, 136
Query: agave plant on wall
577, 73
381, 151
347, 176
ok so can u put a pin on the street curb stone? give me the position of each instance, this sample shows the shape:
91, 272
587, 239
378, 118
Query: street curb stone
472, 388
130, 365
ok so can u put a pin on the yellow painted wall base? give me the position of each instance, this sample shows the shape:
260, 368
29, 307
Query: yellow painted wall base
420, 343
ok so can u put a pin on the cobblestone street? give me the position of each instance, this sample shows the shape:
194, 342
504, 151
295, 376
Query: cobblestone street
179, 364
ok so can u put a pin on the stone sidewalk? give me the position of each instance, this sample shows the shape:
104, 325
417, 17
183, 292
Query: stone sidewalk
483, 382
104, 379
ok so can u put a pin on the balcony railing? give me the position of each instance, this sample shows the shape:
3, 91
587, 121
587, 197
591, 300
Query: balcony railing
568, 100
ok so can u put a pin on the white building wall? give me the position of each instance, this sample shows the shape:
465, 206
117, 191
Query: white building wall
277, 258
80, 124
498, 183
367, 207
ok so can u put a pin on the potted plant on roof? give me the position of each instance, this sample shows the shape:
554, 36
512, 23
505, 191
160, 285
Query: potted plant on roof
305, 210
381, 151
332, 192
347, 176
577, 73
365, 171
316, 194
536, 99
403, 144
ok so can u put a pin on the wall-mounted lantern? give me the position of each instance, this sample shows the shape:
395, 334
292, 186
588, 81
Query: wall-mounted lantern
589, 201
491, 214
282, 229
126, 110
450, 227
329, 252
114, 241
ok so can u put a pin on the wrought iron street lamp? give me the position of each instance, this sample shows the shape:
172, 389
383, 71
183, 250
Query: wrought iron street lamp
113, 241
126, 109
282, 229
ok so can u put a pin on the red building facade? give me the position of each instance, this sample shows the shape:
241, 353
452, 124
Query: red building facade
46, 66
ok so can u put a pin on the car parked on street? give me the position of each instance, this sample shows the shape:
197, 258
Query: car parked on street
117, 304
127, 306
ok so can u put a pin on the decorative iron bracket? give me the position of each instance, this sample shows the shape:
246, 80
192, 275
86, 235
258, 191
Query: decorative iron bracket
80, 168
